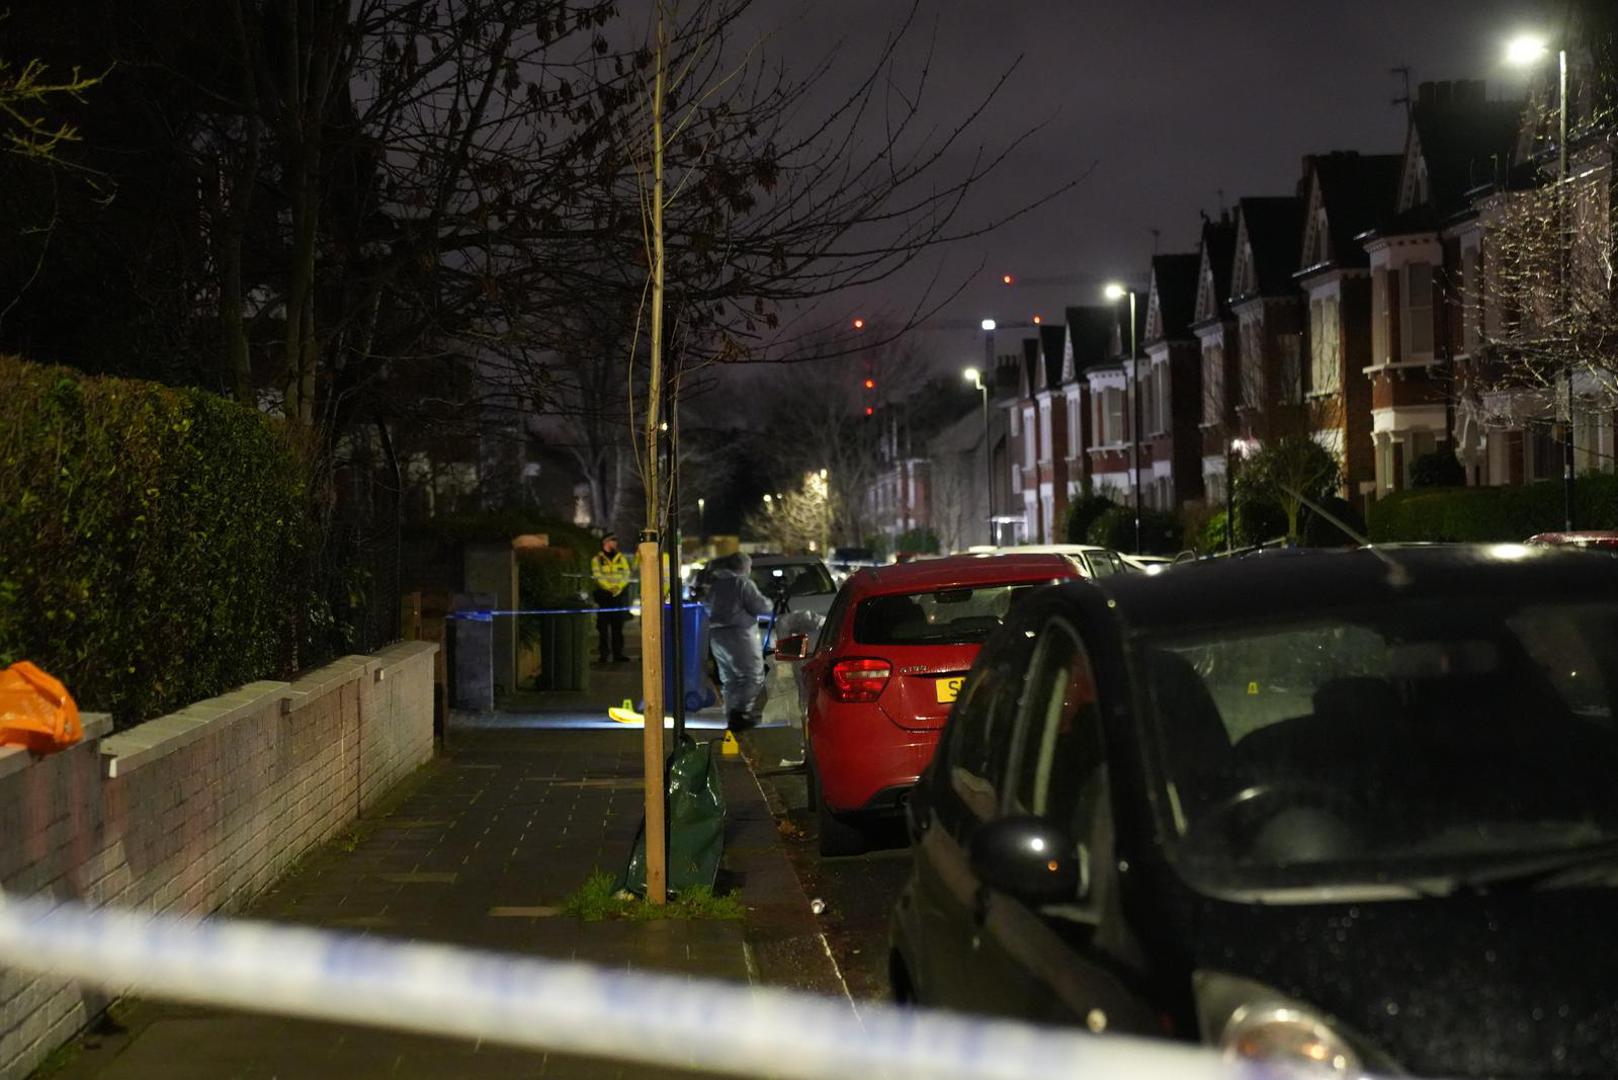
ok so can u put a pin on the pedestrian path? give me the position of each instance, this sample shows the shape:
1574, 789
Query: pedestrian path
478, 850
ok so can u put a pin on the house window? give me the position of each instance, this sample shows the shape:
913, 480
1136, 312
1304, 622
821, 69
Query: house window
1417, 338
1161, 374
1115, 417
1046, 446
1323, 345
1213, 384
1030, 449
1379, 316
1252, 366
1472, 302
1291, 348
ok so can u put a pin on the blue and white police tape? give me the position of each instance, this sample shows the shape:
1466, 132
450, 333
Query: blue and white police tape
555, 1006
486, 614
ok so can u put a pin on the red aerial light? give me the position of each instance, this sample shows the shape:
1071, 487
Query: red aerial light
859, 680
859, 324
870, 384
1036, 320
1006, 278
869, 410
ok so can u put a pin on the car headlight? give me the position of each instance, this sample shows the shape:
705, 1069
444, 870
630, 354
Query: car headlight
1271, 1032
1248, 1021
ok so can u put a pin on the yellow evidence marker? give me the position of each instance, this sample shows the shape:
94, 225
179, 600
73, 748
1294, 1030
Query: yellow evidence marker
625, 713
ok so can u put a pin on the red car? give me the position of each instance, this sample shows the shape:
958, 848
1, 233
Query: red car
886, 667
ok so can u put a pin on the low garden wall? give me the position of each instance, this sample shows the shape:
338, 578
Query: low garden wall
198, 811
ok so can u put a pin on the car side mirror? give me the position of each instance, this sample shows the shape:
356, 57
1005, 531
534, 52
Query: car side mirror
792, 647
1032, 860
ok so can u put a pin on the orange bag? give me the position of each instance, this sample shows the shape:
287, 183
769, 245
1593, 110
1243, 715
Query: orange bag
36, 710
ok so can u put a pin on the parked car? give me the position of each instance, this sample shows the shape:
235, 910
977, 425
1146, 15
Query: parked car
802, 580
1352, 809
1146, 564
884, 669
1599, 540
1092, 561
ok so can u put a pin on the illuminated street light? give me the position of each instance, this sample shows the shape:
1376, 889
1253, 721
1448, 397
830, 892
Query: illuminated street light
975, 377
988, 324
1526, 49
1115, 292
768, 498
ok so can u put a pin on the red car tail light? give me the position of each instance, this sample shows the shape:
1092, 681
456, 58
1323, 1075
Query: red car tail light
859, 680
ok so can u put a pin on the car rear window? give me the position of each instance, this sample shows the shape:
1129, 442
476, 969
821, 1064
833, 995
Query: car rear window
939, 617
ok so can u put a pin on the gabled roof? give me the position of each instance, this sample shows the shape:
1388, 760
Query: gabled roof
1030, 367
1089, 333
1173, 295
1268, 233
1462, 139
1051, 340
1352, 193
1213, 274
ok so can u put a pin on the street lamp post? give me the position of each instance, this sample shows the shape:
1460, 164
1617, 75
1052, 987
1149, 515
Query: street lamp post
702, 518
975, 377
1523, 51
1116, 292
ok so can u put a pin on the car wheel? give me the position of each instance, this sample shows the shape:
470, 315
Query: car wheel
840, 834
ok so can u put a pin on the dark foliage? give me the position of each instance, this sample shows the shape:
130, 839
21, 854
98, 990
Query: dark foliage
160, 545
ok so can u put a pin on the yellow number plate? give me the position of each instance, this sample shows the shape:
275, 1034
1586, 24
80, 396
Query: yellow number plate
949, 689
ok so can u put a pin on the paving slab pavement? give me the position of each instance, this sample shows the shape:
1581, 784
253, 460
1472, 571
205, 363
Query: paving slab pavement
478, 849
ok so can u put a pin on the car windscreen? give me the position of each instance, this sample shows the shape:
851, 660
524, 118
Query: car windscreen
1413, 737
798, 579
957, 616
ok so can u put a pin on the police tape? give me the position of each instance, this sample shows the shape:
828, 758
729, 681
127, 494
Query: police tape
486, 614
562, 1007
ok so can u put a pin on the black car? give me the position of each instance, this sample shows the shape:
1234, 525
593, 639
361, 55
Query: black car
1358, 809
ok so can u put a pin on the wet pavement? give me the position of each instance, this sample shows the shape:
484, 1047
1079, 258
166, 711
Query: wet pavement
858, 892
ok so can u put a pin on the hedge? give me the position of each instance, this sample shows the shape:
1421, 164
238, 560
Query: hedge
1160, 531
1492, 514
155, 543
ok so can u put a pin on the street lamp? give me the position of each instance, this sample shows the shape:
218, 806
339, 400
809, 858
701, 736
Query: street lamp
1116, 292
1239, 449
975, 377
1523, 51
702, 517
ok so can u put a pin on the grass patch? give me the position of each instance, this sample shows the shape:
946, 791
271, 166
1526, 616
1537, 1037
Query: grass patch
598, 899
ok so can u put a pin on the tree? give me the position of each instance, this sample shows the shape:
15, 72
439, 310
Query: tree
797, 520
1283, 476
1545, 311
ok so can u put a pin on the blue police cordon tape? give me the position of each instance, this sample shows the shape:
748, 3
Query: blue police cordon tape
484, 614
557, 1006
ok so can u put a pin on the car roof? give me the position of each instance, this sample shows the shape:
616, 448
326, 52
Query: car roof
1049, 549
960, 570
1299, 581
784, 560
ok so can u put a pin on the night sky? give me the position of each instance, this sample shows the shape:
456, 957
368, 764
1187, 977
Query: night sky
1171, 100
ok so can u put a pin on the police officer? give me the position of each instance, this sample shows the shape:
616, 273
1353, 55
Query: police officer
734, 605
610, 570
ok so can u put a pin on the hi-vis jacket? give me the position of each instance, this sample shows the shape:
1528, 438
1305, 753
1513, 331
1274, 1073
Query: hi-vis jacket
611, 572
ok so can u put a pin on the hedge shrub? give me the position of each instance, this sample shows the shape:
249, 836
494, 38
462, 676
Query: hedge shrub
1160, 531
155, 543
1492, 514
1082, 513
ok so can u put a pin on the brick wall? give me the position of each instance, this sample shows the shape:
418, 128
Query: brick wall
198, 811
